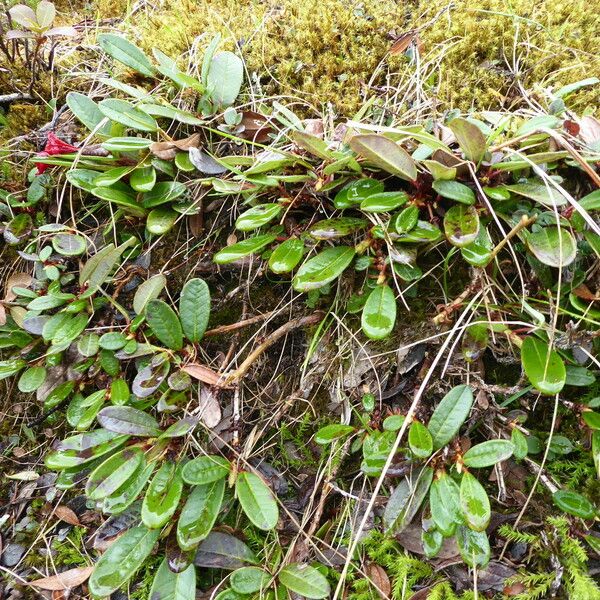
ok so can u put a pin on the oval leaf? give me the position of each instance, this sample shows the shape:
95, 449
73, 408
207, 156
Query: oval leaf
379, 313
122, 559
543, 366
323, 268
488, 453
257, 500
164, 324
450, 414
194, 309
304, 580
385, 154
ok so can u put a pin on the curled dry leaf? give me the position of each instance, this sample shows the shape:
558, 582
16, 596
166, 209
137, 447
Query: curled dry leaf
64, 513
402, 42
168, 150
65, 580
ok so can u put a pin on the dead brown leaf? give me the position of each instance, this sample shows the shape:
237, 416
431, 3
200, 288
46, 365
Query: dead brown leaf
380, 579
256, 127
402, 42
65, 580
209, 409
168, 150
583, 291
64, 513
16, 280
204, 374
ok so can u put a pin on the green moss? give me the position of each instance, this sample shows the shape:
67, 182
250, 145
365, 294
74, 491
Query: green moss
491, 48
325, 52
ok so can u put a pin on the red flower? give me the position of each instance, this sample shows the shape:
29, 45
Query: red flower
53, 146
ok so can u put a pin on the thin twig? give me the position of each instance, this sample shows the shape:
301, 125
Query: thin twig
238, 373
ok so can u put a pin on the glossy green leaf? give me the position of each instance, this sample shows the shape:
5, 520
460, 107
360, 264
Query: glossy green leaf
127, 494
454, 190
469, 137
199, 514
305, 581
432, 542
249, 580
331, 229
422, 232
125, 52
444, 503
112, 340
120, 198
286, 256
11, 367
543, 366
406, 219
257, 216
519, 442
474, 503
31, 379
488, 453
474, 547
323, 268
127, 144
406, 500
383, 202
461, 225
331, 433
168, 585
147, 291
162, 496
479, 252
122, 560
110, 475
164, 324
574, 504
357, 191
450, 414
160, 220
119, 392
385, 154
553, 246
125, 113
243, 248
379, 313
539, 192
143, 179
194, 309
420, 440
163, 192
83, 448
96, 270
257, 500
129, 420
205, 469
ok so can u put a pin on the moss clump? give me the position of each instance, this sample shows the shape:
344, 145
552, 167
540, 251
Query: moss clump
326, 51
492, 47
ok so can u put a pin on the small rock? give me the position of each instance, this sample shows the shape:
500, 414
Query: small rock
12, 554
